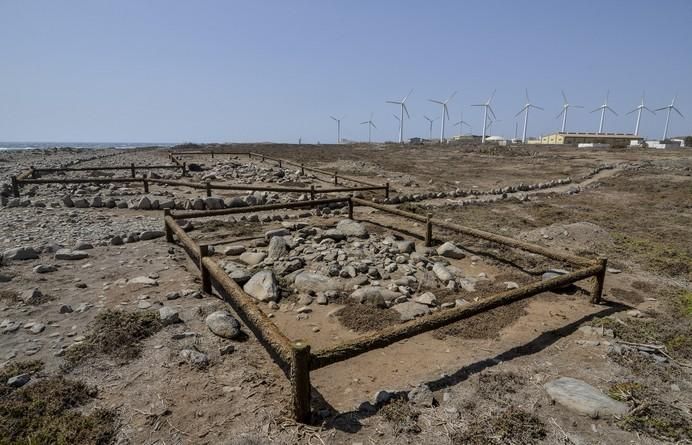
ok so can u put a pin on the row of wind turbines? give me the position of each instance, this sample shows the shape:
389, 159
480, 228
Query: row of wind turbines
489, 116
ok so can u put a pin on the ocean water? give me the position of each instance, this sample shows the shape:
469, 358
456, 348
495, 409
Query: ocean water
48, 145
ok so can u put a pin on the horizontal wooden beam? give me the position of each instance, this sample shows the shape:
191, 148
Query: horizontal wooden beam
393, 334
251, 209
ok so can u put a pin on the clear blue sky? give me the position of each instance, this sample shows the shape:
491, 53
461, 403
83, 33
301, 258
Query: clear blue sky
275, 70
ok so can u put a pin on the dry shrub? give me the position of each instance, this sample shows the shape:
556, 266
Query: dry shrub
15, 368
402, 416
484, 325
116, 334
512, 425
43, 413
367, 318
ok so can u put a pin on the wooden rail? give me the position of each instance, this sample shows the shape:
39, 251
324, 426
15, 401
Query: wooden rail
297, 357
252, 209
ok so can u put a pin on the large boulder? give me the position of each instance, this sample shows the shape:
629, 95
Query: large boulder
373, 295
277, 248
19, 254
410, 310
449, 250
263, 286
442, 273
223, 324
252, 258
583, 398
309, 281
350, 227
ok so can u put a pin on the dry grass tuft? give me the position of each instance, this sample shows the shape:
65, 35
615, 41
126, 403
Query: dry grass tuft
402, 416
512, 425
116, 334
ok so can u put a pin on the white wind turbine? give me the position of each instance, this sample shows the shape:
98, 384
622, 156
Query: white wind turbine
603, 109
402, 104
639, 109
338, 128
565, 106
431, 124
669, 108
371, 125
461, 123
445, 114
486, 107
525, 110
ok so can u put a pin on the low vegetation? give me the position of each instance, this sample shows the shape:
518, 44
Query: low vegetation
115, 334
512, 425
43, 413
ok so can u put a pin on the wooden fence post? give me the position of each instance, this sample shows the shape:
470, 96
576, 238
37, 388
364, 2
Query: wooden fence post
300, 381
208, 186
335, 179
132, 169
599, 280
350, 209
302, 169
169, 232
312, 193
386, 190
15, 187
280, 166
33, 172
428, 231
184, 168
204, 272
212, 155
146, 184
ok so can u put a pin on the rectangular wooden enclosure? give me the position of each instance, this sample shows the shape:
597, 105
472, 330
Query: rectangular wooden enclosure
297, 359
32, 176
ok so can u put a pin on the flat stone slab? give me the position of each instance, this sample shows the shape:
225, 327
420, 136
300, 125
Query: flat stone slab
583, 398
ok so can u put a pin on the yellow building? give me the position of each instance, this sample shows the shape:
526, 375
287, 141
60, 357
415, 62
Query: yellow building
612, 139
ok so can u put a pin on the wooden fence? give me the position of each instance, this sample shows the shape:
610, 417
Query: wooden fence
297, 359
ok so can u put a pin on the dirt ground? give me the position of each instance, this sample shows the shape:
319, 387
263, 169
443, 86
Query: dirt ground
486, 373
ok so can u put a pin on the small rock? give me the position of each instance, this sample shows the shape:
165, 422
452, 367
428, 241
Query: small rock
227, 349
421, 396
252, 258
19, 254
37, 328
168, 315
151, 234
32, 296
72, 255
65, 309
234, 250
428, 299
19, 380
263, 286
442, 273
410, 310
195, 358
144, 281
449, 250
349, 227
223, 324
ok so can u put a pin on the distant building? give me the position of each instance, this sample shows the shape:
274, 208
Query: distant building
612, 139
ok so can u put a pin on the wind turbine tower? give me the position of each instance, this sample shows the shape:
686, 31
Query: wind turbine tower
525, 110
371, 125
565, 106
445, 114
603, 109
486, 107
639, 115
338, 128
431, 125
402, 104
670, 108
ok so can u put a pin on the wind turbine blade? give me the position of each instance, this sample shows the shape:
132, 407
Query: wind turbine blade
611, 110
647, 109
451, 97
436, 101
526, 90
392, 102
631, 111
577, 106
492, 112
478, 105
396, 117
406, 110
406, 97
596, 110
492, 96
373, 124
678, 111
522, 110
446, 111
363, 123
560, 113
661, 109
334, 118
537, 107
563, 95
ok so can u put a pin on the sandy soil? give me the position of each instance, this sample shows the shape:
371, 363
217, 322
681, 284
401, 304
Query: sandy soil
638, 213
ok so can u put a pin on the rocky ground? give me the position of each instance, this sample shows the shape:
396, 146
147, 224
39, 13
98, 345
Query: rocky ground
105, 329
